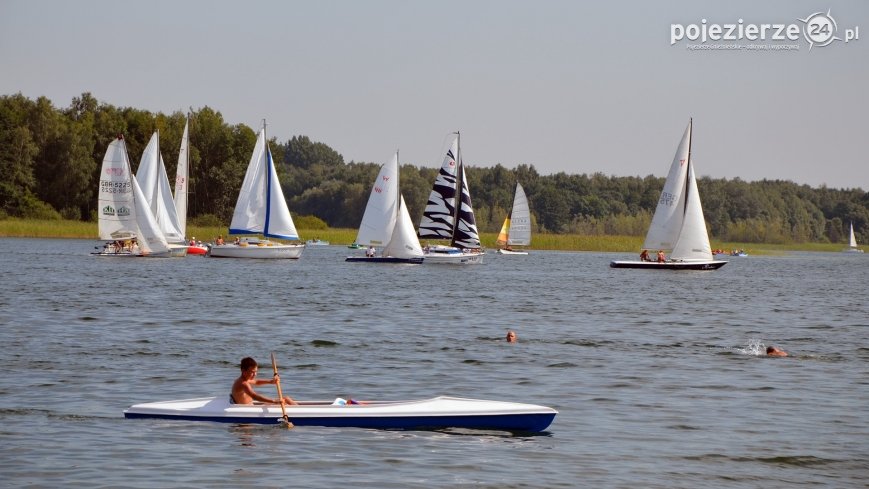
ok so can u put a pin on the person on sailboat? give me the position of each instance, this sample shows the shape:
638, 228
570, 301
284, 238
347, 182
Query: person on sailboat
242, 389
772, 351
370, 251
644, 256
219, 240
661, 257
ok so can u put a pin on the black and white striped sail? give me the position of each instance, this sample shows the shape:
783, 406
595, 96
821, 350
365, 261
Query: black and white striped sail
442, 219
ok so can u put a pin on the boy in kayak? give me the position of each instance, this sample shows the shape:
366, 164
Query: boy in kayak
242, 388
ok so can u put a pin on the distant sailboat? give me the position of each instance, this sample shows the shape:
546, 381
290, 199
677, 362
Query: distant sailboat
443, 219
125, 219
678, 225
386, 222
261, 209
182, 183
852, 243
152, 177
516, 230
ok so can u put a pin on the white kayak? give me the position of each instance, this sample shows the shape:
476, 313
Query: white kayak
439, 412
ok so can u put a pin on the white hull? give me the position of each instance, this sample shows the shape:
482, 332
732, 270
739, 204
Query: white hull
452, 256
177, 250
852, 250
502, 251
439, 412
261, 250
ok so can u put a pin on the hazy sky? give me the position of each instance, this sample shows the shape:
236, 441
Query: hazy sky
579, 87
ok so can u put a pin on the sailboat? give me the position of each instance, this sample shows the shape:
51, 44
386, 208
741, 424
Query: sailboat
386, 222
678, 225
125, 219
182, 183
516, 230
443, 219
152, 177
260, 209
852, 243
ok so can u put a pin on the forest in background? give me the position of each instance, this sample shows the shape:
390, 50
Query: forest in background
50, 160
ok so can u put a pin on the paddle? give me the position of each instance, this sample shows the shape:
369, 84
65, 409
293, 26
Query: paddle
281, 395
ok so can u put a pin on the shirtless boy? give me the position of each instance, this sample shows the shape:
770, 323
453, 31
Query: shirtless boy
242, 388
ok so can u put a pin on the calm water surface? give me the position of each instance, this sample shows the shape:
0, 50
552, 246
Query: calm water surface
657, 375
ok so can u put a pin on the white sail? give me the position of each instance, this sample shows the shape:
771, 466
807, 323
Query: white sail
181, 177
382, 209
261, 207
117, 210
149, 237
404, 243
154, 183
693, 242
520, 219
852, 242
667, 221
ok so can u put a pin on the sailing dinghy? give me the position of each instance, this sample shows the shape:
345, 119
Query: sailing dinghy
678, 225
154, 181
516, 230
443, 219
852, 243
386, 222
125, 219
436, 413
182, 183
261, 209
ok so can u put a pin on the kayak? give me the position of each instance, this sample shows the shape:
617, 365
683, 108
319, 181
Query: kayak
435, 413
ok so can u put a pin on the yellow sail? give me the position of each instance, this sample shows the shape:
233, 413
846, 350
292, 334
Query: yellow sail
502, 236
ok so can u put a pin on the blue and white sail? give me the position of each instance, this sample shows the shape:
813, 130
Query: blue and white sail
261, 207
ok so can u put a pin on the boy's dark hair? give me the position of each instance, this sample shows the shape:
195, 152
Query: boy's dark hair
248, 363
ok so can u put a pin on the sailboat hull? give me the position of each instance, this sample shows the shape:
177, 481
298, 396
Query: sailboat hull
262, 251
383, 259
675, 265
502, 251
448, 255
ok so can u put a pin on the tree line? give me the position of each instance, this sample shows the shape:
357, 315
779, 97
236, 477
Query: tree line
50, 160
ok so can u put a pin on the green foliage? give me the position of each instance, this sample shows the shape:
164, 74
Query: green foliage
50, 160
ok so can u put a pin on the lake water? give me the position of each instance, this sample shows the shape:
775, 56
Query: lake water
657, 376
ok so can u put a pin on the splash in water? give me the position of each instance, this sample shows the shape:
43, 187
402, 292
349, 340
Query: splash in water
755, 347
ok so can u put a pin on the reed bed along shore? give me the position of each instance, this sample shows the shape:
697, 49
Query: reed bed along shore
33, 228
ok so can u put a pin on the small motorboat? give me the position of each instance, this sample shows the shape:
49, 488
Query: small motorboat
197, 250
435, 413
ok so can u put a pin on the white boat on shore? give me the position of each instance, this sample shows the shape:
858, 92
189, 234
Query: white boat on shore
435, 413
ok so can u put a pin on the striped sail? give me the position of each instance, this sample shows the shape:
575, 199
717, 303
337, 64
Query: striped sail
442, 219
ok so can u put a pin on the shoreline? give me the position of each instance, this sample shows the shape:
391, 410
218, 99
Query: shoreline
30, 228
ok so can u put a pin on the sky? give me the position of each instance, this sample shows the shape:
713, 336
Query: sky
565, 86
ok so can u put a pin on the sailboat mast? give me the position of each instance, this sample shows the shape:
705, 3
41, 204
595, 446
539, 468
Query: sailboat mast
397, 186
460, 178
268, 181
688, 172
